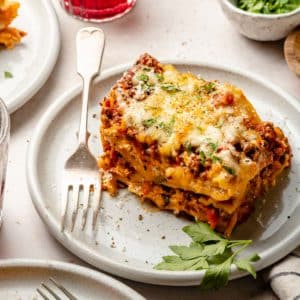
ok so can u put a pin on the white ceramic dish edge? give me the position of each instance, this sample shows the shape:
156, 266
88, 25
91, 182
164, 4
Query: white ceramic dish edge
75, 269
40, 78
162, 277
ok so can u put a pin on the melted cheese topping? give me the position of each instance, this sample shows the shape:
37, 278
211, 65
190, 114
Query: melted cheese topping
181, 110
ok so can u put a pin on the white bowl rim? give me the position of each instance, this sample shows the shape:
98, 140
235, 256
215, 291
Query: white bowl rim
234, 8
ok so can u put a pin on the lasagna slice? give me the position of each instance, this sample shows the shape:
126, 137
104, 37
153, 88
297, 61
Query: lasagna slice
9, 36
188, 145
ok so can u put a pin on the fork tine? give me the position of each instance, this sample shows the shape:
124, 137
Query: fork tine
63, 289
86, 201
95, 204
50, 291
42, 294
65, 198
75, 204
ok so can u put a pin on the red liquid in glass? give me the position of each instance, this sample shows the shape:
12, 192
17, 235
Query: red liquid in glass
98, 9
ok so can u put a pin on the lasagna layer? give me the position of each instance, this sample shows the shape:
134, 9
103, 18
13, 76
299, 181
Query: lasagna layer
200, 140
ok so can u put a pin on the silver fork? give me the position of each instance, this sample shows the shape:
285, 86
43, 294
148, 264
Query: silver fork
81, 176
55, 290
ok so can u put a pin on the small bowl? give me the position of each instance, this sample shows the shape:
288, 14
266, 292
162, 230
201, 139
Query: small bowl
261, 27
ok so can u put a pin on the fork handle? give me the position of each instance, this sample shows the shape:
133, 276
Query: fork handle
90, 42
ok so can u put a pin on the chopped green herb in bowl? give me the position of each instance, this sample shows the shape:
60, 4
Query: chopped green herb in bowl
268, 6
263, 20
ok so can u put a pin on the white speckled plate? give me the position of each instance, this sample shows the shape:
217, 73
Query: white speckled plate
20, 278
127, 244
32, 61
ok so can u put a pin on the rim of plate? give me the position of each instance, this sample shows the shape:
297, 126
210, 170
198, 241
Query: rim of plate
74, 269
49, 61
175, 278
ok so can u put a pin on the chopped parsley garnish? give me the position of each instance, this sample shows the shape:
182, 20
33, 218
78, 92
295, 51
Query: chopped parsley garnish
199, 96
147, 87
215, 158
209, 87
170, 88
202, 157
146, 69
149, 122
160, 77
8, 74
144, 78
268, 6
167, 127
230, 170
214, 146
209, 252
188, 147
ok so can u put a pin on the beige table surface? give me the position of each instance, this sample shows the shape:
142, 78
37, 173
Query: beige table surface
193, 29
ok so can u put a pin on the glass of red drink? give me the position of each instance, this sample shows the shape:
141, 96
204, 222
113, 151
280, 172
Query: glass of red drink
98, 10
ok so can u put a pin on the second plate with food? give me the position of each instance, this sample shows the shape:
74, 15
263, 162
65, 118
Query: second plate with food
31, 62
132, 237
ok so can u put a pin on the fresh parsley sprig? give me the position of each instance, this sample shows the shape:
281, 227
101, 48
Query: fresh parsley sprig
210, 252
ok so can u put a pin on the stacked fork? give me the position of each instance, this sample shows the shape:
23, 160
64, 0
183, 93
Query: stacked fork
54, 291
